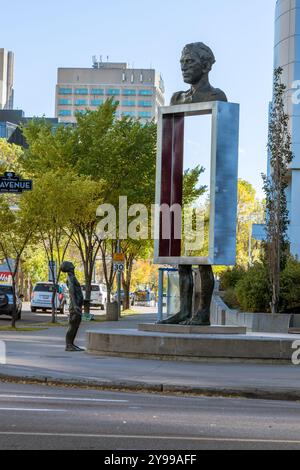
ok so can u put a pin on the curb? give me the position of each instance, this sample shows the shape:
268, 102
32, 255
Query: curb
255, 393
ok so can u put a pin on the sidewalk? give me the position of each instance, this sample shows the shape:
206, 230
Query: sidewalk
40, 357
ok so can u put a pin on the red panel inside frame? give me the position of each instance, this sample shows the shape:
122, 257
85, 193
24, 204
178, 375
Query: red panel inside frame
171, 180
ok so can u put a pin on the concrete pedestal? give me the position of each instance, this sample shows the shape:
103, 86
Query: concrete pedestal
191, 347
196, 330
112, 312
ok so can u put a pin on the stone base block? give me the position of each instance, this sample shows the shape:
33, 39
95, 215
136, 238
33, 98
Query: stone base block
189, 347
196, 330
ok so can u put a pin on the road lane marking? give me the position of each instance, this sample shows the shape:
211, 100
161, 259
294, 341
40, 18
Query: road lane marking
40, 410
93, 400
163, 438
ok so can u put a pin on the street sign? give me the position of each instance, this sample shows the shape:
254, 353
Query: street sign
10, 183
119, 258
119, 262
119, 267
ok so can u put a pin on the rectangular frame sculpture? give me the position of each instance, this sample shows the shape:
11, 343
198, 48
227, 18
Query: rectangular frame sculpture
223, 185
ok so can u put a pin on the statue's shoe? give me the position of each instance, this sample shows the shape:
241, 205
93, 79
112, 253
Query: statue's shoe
202, 318
77, 348
177, 319
71, 348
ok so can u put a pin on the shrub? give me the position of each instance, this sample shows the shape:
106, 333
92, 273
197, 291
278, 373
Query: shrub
250, 290
230, 298
230, 277
290, 286
253, 291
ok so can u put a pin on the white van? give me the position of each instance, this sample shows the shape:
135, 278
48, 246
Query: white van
41, 298
98, 295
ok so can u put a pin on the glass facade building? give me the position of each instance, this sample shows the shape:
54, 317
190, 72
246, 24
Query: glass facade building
287, 56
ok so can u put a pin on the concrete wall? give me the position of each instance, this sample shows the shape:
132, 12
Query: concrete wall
221, 314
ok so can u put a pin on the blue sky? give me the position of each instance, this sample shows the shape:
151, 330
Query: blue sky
66, 33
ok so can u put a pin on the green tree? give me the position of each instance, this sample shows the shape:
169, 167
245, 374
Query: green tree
275, 186
50, 208
10, 157
250, 210
82, 227
16, 231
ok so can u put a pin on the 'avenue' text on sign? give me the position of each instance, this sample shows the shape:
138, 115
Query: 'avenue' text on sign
10, 183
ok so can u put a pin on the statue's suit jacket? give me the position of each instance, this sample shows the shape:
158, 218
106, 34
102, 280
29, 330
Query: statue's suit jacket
198, 96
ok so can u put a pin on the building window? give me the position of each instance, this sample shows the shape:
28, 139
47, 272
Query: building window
129, 92
96, 102
145, 114
80, 111
80, 102
113, 92
145, 104
146, 92
128, 113
64, 102
64, 112
97, 91
65, 91
128, 103
81, 91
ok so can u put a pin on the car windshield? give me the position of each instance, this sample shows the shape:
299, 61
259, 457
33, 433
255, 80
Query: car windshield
43, 288
6, 290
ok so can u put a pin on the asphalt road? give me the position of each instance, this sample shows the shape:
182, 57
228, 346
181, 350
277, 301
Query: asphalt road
39, 417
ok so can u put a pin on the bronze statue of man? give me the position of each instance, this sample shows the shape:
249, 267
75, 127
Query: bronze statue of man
75, 306
196, 62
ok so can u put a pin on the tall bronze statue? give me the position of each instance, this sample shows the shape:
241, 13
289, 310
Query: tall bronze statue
196, 62
75, 306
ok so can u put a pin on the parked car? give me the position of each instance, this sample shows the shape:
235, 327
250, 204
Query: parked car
98, 295
7, 301
41, 298
63, 295
131, 296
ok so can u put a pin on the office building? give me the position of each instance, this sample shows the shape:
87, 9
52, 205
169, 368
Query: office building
287, 56
11, 122
6, 79
139, 92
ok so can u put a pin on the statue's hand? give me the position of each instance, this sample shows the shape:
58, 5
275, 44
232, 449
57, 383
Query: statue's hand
78, 311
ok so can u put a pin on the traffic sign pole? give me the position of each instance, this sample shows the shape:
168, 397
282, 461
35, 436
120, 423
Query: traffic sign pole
119, 273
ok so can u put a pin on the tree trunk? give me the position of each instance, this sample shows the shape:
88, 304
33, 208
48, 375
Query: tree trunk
88, 291
108, 288
88, 275
108, 271
126, 282
126, 299
14, 312
53, 302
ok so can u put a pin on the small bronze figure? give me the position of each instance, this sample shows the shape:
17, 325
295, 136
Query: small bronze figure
196, 62
75, 306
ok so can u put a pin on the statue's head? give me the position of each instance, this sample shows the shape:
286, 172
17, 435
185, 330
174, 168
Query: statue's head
67, 267
196, 61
